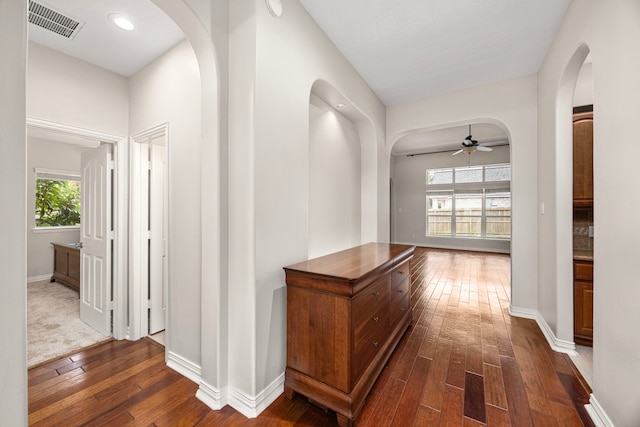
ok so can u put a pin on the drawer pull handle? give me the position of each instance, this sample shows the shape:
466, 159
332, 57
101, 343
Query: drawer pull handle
375, 294
401, 272
375, 319
375, 344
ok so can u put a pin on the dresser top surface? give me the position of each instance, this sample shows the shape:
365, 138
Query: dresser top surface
75, 246
352, 264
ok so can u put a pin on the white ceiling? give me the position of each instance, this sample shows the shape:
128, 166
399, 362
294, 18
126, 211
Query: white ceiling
404, 49
412, 49
101, 43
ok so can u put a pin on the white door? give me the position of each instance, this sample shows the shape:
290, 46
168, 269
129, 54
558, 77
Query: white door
96, 237
157, 239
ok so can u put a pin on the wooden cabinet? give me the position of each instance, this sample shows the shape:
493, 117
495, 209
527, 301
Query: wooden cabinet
583, 159
346, 313
66, 265
583, 302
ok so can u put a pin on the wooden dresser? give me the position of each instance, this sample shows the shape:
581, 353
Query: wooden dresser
66, 265
346, 313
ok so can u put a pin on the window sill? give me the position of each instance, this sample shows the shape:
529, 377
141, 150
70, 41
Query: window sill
499, 239
59, 229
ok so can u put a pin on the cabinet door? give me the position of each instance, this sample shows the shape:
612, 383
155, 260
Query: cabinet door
583, 159
583, 309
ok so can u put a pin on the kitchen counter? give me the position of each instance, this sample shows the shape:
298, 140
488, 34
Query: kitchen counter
583, 255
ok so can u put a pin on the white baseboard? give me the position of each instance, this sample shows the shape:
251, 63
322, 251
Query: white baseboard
455, 244
184, 367
556, 344
597, 414
211, 396
249, 406
252, 406
32, 279
525, 313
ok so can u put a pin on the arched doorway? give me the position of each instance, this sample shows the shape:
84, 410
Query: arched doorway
575, 222
425, 164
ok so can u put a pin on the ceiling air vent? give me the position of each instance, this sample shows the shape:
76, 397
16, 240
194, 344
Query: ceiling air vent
47, 18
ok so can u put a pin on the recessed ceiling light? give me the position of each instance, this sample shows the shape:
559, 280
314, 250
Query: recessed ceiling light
340, 106
122, 21
275, 7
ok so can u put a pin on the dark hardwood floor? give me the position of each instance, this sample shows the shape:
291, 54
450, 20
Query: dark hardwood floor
464, 362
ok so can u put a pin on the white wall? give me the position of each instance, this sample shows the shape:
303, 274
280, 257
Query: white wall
13, 332
273, 65
168, 90
334, 180
46, 155
205, 23
512, 105
68, 91
409, 187
583, 95
610, 30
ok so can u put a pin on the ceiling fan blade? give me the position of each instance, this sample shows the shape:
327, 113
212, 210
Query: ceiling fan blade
481, 148
458, 152
495, 142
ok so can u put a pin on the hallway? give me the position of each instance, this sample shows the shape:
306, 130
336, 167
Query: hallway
464, 361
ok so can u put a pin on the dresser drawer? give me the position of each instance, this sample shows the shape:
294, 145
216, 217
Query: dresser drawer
368, 300
399, 305
399, 275
401, 289
368, 326
369, 336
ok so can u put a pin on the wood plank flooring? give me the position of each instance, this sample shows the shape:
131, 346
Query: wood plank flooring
464, 362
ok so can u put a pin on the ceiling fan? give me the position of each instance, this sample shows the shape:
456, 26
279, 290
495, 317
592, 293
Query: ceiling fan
469, 145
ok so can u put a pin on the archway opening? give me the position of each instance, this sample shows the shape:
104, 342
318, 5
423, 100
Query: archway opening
450, 195
583, 224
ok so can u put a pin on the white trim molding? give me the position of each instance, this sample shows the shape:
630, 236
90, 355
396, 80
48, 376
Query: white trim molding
525, 313
184, 367
65, 129
252, 406
39, 278
139, 229
597, 414
120, 206
55, 229
555, 343
211, 396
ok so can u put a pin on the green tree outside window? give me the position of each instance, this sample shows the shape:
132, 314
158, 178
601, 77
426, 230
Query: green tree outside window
57, 202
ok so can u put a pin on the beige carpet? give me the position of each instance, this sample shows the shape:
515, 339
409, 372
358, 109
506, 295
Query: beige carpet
54, 327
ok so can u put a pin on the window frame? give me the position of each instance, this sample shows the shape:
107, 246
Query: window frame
485, 188
53, 174
450, 195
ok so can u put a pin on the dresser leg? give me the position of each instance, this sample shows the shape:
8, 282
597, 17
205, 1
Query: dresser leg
344, 421
289, 393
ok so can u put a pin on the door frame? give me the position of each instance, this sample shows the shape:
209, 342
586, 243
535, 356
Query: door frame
120, 192
138, 251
